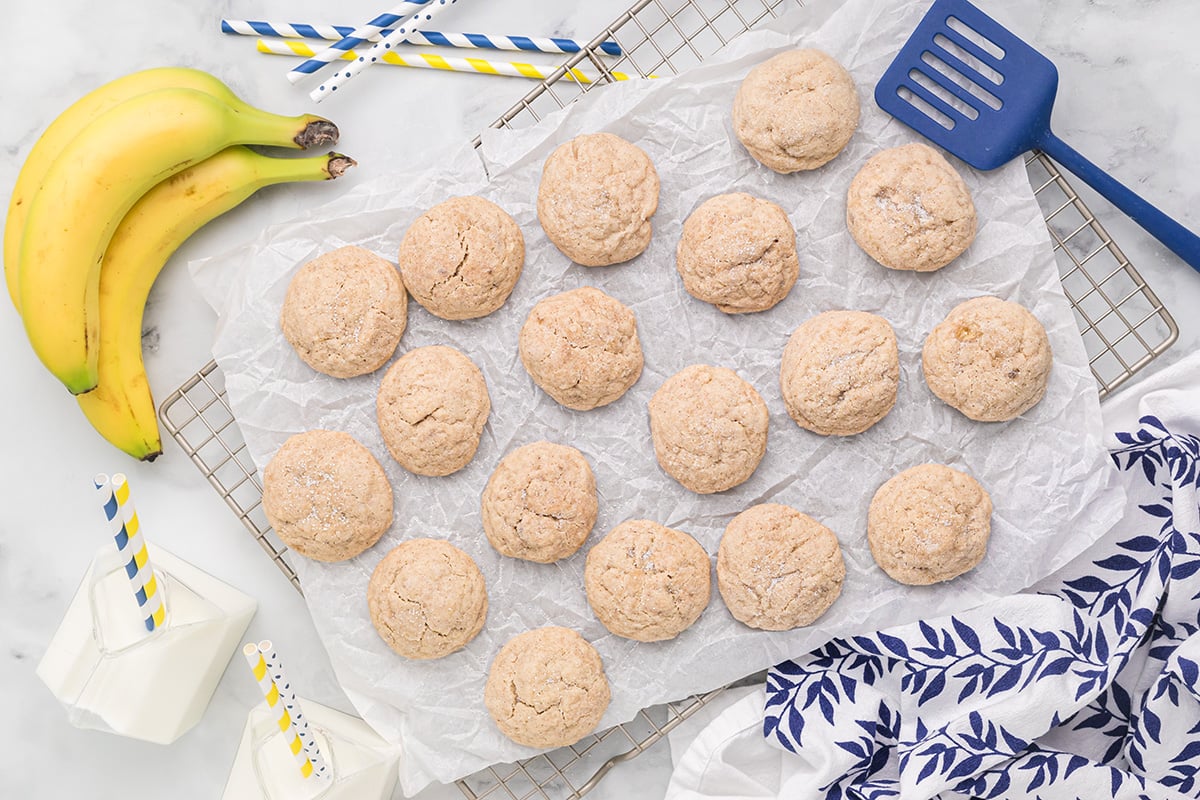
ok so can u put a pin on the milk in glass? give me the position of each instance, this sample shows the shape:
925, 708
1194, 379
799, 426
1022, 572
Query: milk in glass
112, 674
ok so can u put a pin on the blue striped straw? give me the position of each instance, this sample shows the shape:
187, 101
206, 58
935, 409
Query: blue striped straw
372, 56
486, 41
123, 522
358, 36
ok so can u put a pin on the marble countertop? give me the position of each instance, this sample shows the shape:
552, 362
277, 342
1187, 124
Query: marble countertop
1127, 101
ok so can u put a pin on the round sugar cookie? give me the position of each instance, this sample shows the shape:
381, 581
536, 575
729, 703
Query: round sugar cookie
344, 312
427, 599
909, 210
540, 503
778, 569
596, 197
709, 428
581, 347
462, 258
796, 110
738, 252
432, 406
840, 372
989, 358
646, 581
546, 688
326, 496
929, 524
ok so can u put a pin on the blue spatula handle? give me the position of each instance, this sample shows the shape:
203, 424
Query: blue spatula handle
1179, 239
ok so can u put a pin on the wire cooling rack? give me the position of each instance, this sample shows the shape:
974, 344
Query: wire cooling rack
1123, 323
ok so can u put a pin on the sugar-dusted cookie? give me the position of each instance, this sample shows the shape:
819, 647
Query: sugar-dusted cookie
929, 524
989, 358
427, 598
432, 406
796, 111
581, 347
344, 312
840, 372
461, 258
778, 569
540, 503
646, 581
738, 252
546, 688
326, 496
596, 197
909, 209
709, 428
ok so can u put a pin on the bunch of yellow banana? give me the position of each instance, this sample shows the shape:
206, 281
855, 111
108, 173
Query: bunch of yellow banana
110, 190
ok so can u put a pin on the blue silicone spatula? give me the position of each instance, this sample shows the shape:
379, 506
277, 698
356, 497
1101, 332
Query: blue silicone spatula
968, 84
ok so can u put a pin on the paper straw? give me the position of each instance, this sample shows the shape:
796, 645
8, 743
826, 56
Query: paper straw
484, 66
258, 667
126, 531
418, 20
288, 696
358, 36
487, 41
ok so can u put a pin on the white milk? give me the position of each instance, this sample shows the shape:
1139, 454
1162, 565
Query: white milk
113, 675
362, 764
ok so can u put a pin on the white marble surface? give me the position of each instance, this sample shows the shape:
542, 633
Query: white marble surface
1127, 101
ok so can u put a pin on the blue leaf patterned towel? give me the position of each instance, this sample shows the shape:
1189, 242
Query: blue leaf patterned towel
1089, 688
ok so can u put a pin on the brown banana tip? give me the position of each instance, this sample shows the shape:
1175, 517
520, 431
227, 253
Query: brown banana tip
151, 456
338, 164
317, 133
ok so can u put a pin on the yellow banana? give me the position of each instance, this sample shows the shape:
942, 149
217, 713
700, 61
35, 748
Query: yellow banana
63, 129
121, 407
94, 181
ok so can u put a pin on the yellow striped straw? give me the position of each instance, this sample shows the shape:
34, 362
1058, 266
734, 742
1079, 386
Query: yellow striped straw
287, 696
126, 530
484, 66
287, 726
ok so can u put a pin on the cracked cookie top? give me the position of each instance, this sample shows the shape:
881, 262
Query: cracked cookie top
909, 210
647, 582
778, 569
709, 428
796, 111
546, 688
989, 358
540, 503
344, 312
427, 599
840, 372
326, 496
581, 347
596, 197
738, 252
432, 406
462, 258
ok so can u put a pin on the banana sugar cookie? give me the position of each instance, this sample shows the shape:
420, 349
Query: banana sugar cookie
427, 599
344, 312
546, 688
326, 496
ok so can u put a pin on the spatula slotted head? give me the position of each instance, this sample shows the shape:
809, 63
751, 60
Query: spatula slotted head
969, 85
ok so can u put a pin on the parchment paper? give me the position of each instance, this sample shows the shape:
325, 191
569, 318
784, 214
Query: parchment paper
1047, 472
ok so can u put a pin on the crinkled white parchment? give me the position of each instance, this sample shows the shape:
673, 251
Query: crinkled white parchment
1047, 471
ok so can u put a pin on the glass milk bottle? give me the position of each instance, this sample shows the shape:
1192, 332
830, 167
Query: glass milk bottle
113, 674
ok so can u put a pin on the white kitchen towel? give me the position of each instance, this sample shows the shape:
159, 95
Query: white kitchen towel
1087, 686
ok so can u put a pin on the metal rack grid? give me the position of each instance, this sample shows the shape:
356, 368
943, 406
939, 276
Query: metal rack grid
1123, 323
